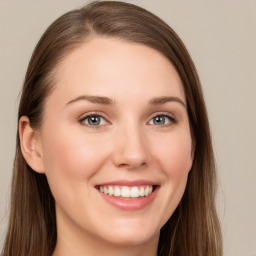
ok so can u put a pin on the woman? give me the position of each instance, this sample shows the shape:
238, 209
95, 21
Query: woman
113, 154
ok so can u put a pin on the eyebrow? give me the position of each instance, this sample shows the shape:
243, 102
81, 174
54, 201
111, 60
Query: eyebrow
107, 101
163, 100
93, 99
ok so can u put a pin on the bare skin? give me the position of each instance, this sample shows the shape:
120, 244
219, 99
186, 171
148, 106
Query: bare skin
117, 113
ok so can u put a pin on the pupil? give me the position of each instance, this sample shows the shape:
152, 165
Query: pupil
159, 120
94, 120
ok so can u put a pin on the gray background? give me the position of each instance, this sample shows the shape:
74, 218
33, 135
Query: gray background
221, 37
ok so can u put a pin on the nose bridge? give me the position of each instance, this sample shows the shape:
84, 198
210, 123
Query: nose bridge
130, 146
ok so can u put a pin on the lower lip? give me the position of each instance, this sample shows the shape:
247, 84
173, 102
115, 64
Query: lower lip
130, 204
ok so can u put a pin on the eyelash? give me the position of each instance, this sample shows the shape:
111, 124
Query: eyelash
82, 120
171, 119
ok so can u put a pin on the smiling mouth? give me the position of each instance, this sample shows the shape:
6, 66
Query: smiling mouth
126, 192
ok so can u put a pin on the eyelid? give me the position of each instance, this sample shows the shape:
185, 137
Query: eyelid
172, 118
92, 114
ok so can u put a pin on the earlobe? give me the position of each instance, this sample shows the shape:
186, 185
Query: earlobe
30, 145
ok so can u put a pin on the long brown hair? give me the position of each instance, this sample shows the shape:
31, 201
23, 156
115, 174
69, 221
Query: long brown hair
193, 229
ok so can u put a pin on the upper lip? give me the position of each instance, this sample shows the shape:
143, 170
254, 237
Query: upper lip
128, 183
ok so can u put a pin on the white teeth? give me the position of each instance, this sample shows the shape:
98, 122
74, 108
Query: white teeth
126, 192
142, 191
117, 191
135, 192
146, 191
110, 191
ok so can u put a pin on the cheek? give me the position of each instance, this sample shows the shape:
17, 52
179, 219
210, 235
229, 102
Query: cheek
175, 154
70, 160
175, 161
63, 151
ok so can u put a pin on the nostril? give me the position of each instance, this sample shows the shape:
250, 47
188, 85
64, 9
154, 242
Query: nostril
132, 165
130, 150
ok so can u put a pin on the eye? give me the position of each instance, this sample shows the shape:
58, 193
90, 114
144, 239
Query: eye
93, 120
162, 120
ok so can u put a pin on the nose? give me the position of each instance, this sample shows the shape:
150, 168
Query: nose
131, 149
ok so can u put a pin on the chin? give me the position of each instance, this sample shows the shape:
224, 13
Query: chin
131, 234
132, 239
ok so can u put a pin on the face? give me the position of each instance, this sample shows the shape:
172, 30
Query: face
115, 141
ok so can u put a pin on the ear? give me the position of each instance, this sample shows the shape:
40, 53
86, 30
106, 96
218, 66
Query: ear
30, 144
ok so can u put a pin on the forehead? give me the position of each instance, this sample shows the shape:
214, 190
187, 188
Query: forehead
111, 66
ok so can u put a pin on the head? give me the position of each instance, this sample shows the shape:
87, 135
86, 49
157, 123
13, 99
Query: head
123, 24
